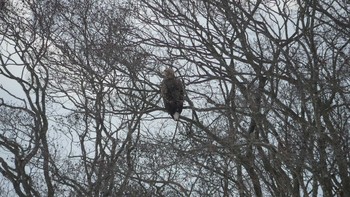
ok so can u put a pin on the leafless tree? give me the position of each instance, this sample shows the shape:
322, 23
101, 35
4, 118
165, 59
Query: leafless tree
71, 125
268, 104
266, 110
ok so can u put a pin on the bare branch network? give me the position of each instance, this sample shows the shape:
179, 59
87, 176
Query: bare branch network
263, 88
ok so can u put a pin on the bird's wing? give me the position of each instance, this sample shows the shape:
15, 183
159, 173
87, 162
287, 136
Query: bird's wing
164, 91
180, 89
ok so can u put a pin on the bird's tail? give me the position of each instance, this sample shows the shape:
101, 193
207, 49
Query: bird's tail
176, 116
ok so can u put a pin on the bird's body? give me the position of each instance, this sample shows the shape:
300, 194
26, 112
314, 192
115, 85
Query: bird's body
172, 92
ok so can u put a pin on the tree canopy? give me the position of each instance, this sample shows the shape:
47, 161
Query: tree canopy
266, 110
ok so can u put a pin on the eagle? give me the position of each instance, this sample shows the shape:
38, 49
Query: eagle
172, 92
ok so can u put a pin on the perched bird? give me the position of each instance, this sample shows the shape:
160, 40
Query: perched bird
172, 92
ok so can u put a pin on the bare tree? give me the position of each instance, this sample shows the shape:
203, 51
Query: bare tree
24, 122
267, 93
266, 110
72, 129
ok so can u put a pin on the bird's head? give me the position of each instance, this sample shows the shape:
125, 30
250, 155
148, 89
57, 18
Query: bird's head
169, 73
